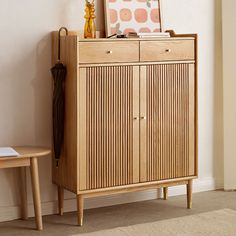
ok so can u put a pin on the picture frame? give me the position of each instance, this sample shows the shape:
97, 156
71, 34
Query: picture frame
140, 16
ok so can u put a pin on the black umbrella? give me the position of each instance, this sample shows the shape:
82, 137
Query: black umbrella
59, 75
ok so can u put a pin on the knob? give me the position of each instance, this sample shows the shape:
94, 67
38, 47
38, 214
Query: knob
109, 52
135, 118
143, 117
168, 50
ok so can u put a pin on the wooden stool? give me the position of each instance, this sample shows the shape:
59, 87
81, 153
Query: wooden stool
28, 157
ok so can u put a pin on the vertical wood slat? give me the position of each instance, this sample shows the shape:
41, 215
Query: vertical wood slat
191, 140
167, 135
167, 139
142, 127
109, 156
83, 138
136, 137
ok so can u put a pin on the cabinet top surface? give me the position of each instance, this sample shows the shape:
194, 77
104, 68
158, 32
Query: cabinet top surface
174, 36
134, 39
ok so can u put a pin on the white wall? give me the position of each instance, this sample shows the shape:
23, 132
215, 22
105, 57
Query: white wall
229, 51
25, 88
204, 18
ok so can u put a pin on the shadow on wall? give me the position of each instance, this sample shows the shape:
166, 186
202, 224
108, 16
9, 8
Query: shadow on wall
100, 21
42, 93
28, 113
218, 100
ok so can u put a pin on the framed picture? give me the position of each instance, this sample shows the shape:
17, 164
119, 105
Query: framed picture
140, 16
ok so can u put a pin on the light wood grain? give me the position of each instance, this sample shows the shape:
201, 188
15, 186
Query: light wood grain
136, 63
108, 131
14, 162
28, 157
158, 39
80, 209
108, 52
192, 122
195, 38
168, 102
189, 193
60, 191
36, 192
167, 50
133, 188
66, 173
136, 137
165, 193
23, 193
131, 123
143, 129
26, 152
82, 128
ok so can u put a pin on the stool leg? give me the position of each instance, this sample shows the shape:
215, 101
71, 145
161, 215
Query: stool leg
165, 193
80, 209
24, 206
36, 192
60, 200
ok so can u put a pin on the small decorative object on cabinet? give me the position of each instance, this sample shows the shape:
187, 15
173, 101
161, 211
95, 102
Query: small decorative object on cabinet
130, 116
89, 27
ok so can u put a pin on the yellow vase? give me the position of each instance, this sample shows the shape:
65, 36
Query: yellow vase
89, 27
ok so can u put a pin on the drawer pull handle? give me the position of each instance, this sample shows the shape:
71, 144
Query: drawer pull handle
136, 118
168, 50
143, 117
109, 52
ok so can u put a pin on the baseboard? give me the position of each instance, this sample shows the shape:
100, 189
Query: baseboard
48, 208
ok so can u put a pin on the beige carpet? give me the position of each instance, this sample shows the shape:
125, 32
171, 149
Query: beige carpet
215, 223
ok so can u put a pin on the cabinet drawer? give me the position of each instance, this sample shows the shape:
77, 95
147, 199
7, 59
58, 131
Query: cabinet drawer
167, 50
108, 52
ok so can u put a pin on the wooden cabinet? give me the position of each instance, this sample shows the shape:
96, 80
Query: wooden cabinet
130, 118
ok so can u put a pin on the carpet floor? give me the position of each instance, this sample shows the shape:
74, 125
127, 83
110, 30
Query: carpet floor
221, 223
213, 212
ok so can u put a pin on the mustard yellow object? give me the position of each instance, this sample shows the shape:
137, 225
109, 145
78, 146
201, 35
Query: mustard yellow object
89, 27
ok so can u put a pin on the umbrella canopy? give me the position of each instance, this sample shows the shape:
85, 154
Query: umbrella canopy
59, 76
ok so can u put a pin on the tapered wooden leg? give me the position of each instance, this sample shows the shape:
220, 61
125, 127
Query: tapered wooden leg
60, 200
165, 193
189, 193
24, 205
80, 209
36, 192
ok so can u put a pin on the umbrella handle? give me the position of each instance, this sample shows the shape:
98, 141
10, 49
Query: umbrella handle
59, 41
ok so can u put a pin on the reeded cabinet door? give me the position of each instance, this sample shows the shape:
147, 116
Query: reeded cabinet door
108, 142
167, 125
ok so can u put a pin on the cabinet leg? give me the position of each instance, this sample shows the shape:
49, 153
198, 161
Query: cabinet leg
80, 209
189, 193
60, 200
165, 193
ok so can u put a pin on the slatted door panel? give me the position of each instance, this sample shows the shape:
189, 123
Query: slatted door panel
111, 135
167, 149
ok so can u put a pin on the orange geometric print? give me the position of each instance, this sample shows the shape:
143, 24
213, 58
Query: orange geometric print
134, 15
